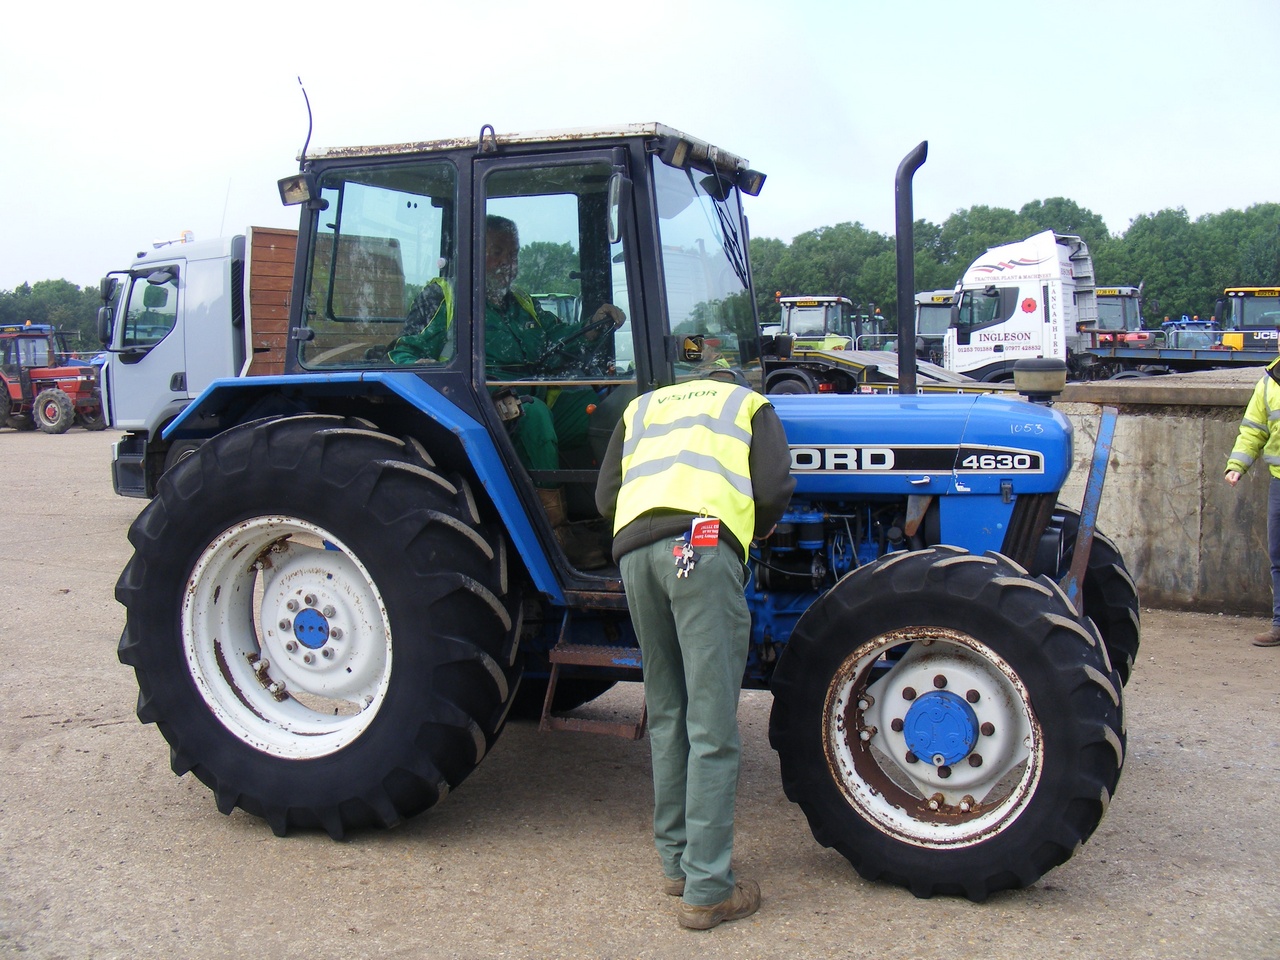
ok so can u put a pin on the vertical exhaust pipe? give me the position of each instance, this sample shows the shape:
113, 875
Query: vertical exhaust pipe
905, 233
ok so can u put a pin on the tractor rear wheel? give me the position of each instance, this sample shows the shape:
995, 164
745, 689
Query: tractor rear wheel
947, 723
93, 418
54, 412
1110, 595
320, 624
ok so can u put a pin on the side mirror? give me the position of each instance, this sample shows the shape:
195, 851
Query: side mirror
107, 288
104, 324
619, 198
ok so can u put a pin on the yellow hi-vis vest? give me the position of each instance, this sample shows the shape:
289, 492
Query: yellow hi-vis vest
687, 447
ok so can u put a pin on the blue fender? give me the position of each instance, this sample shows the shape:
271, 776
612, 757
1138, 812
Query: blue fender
228, 402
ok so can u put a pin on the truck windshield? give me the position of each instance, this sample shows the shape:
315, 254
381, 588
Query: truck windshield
704, 260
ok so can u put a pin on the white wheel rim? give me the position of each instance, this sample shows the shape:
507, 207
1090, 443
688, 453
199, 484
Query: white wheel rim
286, 637
931, 802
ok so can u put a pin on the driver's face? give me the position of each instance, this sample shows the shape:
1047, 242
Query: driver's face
501, 262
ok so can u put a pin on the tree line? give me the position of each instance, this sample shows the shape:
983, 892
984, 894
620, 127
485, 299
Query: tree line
1184, 264
59, 302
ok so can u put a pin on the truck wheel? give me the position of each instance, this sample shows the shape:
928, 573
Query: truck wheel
947, 724
789, 386
1110, 595
320, 624
54, 411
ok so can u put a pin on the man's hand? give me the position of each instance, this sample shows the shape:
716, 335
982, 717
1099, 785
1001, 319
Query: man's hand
1233, 477
609, 312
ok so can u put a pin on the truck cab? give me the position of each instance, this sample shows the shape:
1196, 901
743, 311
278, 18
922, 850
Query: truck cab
1021, 300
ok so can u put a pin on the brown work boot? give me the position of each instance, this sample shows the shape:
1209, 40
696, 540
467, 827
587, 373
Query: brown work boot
673, 888
743, 903
1269, 639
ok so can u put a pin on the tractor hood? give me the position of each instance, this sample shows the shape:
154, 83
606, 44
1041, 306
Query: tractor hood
1005, 446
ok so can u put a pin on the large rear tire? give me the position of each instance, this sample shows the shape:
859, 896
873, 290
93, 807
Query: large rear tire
947, 724
320, 624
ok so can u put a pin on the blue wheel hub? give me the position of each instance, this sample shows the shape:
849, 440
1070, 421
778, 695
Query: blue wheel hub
940, 728
311, 629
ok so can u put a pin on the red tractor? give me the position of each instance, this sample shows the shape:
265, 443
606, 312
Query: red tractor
43, 385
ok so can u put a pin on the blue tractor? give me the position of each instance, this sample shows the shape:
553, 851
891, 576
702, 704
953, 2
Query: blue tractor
365, 569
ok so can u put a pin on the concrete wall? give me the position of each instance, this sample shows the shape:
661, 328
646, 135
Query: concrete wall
1190, 541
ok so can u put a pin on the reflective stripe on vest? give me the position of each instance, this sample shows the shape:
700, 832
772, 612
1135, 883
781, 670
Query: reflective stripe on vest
687, 447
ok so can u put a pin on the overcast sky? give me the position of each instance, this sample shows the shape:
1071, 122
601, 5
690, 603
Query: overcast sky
126, 124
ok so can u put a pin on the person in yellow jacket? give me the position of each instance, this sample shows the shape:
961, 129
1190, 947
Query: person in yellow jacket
1260, 435
693, 472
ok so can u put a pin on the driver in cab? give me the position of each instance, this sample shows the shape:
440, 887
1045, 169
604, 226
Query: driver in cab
521, 341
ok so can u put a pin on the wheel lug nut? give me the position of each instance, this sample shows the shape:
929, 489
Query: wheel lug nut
335, 633
896, 725
866, 733
936, 801
291, 646
911, 757
292, 605
908, 693
973, 696
987, 729
944, 771
939, 681
328, 612
975, 759
307, 658
866, 702
284, 624
327, 653
309, 599
966, 803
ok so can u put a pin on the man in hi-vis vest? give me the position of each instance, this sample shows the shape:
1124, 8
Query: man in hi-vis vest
693, 473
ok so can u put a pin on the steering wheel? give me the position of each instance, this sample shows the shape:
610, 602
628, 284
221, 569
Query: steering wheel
585, 357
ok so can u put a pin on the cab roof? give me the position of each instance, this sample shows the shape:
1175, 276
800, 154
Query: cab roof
488, 138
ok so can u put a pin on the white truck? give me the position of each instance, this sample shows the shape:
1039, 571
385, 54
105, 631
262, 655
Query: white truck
181, 316
1021, 300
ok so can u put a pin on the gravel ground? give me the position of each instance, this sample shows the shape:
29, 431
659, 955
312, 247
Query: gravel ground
545, 851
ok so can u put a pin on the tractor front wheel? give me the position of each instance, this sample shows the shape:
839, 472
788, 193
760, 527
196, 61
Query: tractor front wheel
54, 411
947, 723
320, 624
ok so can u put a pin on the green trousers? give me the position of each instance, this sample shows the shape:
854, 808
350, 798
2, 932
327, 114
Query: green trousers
543, 430
693, 634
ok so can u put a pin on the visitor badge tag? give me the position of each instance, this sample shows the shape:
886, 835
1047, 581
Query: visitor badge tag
705, 532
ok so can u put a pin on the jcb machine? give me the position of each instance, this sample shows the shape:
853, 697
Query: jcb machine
336, 602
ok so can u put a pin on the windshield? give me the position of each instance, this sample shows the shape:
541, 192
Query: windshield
1255, 310
704, 258
807, 321
1114, 313
933, 319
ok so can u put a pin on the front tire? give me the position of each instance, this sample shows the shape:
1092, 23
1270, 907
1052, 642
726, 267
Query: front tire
320, 624
947, 724
54, 412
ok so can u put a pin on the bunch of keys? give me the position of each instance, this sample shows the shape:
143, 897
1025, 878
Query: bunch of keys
685, 557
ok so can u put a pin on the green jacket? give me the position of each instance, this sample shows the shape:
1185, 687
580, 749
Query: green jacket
516, 337
1260, 428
